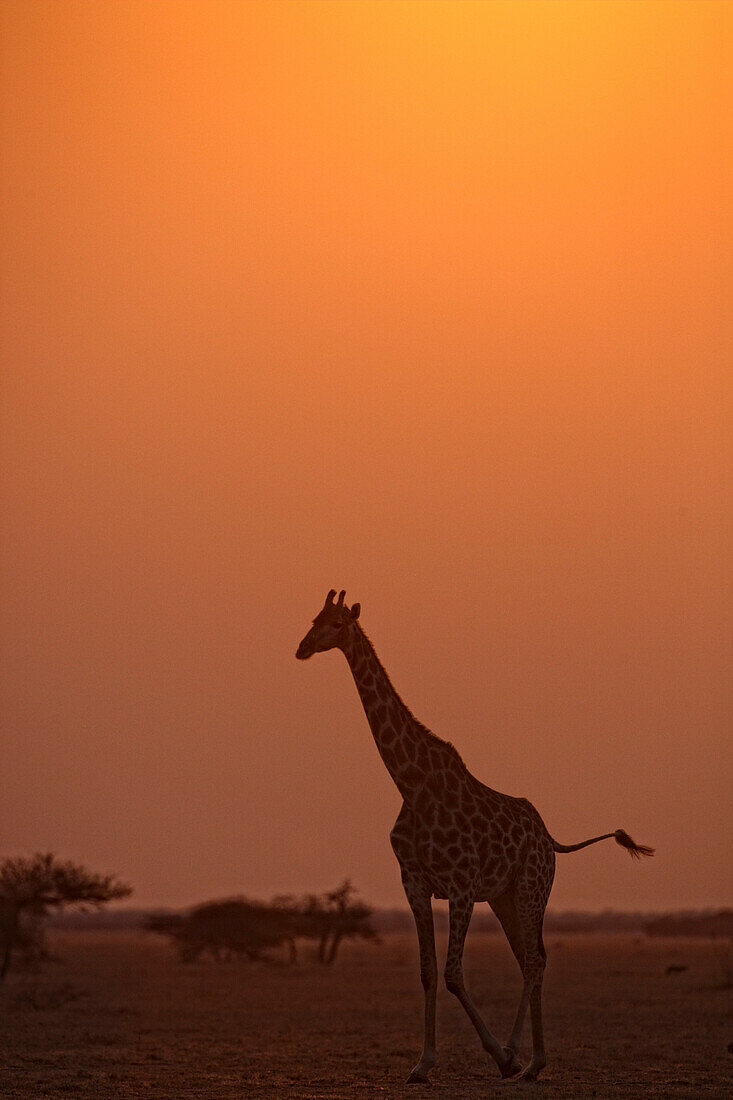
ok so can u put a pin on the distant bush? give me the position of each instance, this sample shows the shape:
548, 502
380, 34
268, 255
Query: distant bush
234, 926
715, 926
329, 919
239, 926
709, 924
30, 888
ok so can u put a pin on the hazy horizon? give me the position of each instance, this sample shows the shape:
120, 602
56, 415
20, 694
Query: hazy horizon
427, 302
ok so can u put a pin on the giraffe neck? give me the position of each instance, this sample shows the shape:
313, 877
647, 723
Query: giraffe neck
408, 749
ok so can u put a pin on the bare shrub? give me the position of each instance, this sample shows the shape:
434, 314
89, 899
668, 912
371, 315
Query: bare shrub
31, 887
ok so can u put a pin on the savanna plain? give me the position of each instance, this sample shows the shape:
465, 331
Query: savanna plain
116, 1015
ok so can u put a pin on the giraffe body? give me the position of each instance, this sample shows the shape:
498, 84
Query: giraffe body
455, 839
469, 839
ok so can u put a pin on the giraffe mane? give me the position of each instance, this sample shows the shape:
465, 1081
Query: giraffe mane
423, 729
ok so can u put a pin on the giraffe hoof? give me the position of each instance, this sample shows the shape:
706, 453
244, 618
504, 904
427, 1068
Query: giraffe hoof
512, 1066
530, 1073
417, 1077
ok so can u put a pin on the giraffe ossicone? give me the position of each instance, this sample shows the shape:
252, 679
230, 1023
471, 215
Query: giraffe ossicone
456, 839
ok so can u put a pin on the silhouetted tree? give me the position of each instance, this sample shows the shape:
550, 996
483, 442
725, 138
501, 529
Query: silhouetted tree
348, 919
329, 919
31, 887
305, 915
238, 926
233, 926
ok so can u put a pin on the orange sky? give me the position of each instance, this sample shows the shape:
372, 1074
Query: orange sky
430, 301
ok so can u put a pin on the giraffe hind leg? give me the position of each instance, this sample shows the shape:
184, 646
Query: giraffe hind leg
460, 916
505, 909
530, 911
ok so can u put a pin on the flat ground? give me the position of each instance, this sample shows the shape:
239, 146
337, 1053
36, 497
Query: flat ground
118, 1016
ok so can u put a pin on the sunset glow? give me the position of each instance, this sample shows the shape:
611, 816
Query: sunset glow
427, 301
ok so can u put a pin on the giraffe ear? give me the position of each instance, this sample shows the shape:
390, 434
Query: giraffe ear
355, 611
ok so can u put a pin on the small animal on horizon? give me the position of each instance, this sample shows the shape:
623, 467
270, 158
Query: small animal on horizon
456, 839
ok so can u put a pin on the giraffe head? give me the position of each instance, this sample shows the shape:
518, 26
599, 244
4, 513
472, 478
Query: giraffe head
330, 626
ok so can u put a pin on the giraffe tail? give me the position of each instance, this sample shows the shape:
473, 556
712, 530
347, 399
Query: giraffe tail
636, 851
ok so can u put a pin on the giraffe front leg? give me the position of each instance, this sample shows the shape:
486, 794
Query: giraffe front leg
422, 911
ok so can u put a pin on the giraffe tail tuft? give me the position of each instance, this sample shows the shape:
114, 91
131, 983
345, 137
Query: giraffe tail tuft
636, 851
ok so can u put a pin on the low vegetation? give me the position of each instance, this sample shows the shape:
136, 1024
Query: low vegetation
242, 927
31, 888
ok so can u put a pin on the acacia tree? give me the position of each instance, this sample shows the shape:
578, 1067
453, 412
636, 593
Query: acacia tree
31, 887
348, 919
239, 926
226, 928
329, 919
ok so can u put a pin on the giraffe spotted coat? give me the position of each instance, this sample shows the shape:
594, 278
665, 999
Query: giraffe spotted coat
456, 839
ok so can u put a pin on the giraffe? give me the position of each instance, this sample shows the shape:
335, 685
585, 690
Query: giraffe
455, 839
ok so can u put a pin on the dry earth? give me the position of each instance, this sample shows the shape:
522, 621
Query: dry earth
117, 1016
